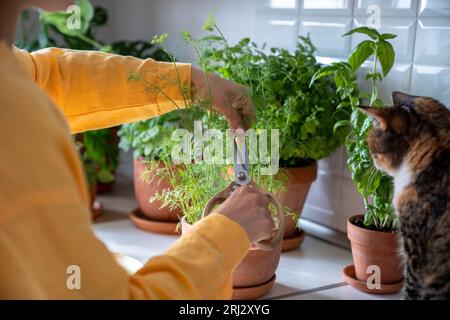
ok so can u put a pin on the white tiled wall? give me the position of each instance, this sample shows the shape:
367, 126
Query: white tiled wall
422, 63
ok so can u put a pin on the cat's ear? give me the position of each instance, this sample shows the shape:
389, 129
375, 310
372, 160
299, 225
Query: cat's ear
380, 116
400, 98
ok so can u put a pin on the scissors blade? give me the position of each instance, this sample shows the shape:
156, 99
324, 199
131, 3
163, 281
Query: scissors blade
241, 161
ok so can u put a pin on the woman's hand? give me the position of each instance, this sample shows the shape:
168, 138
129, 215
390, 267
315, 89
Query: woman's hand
228, 98
250, 209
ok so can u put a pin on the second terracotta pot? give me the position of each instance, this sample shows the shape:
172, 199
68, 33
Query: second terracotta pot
375, 248
256, 268
144, 191
297, 186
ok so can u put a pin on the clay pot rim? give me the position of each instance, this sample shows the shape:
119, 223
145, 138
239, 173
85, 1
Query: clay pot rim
369, 238
305, 174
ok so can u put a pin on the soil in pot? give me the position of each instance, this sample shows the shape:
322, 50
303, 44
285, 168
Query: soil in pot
298, 183
152, 211
255, 274
375, 248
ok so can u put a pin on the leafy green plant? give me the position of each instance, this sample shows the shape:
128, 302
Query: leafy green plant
102, 149
375, 186
279, 87
150, 139
188, 182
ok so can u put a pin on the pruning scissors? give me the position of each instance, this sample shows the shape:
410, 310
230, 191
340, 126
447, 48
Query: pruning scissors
242, 178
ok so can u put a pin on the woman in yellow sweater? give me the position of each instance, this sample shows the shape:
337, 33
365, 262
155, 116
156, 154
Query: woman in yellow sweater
44, 215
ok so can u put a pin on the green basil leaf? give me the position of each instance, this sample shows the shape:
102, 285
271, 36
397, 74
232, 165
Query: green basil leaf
386, 36
361, 53
374, 34
386, 56
340, 123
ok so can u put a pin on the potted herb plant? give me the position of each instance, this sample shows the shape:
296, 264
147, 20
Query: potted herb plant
374, 237
255, 274
305, 116
150, 140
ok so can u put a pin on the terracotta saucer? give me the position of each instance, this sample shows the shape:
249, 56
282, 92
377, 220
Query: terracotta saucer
144, 223
96, 210
251, 293
350, 277
294, 242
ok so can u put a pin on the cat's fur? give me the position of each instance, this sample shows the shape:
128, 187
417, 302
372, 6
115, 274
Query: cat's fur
411, 142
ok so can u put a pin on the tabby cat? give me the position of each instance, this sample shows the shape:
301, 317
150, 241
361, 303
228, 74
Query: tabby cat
411, 142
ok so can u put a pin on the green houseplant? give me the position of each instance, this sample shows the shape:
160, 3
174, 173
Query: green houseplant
150, 140
279, 86
374, 237
193, 182
255, 274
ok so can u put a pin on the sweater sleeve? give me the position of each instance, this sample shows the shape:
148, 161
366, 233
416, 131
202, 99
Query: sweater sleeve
198, 266
96, 90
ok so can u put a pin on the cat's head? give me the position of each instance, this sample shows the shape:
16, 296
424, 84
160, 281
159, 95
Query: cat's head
398, 130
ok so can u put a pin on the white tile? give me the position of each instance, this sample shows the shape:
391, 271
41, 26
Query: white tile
329, 60
277, 30
324, 192
434, 8
433, 41
398, 79
325, 7
351, 203
387, 7
326, 34
333, 163
314, 264
277, 7
320, 215
344, 292
432, 81
404, 28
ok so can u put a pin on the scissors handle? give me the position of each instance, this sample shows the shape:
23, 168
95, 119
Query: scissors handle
277, 235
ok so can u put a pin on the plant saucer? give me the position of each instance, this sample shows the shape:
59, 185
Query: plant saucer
293, 242
350, 277
143, 222
255, 292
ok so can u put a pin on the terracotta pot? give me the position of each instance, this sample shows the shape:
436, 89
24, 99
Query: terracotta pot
144, 191
256, 269
298, 182
375, 248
